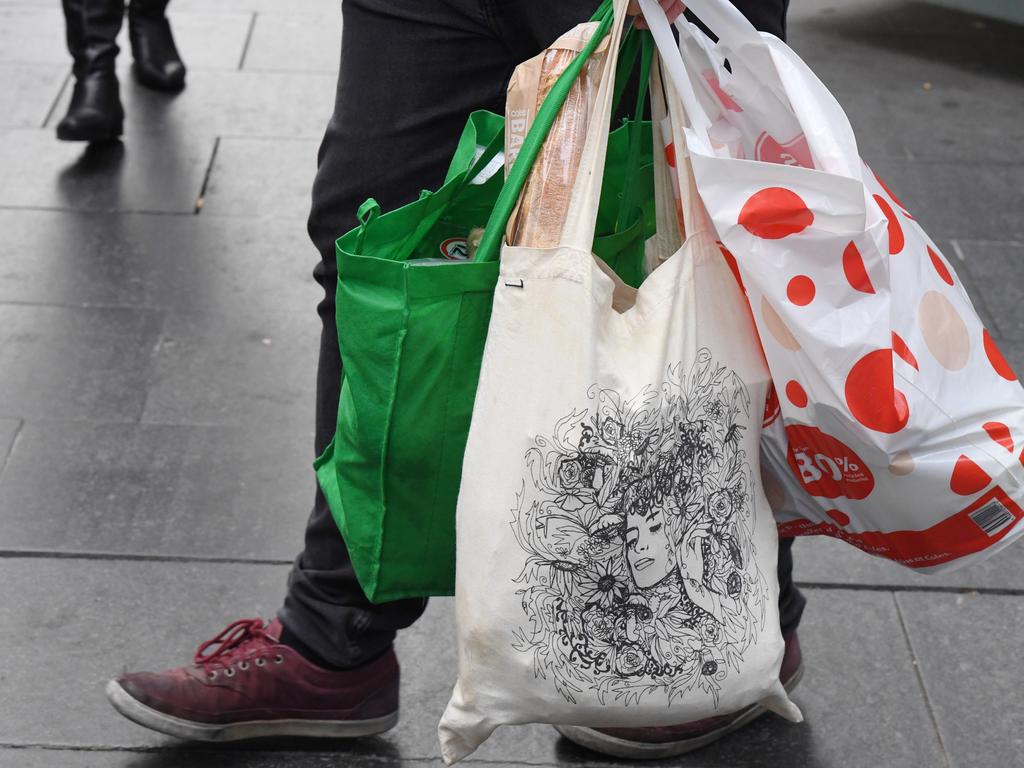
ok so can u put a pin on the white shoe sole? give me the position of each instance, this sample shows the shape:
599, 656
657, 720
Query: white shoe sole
148, 717
605, 744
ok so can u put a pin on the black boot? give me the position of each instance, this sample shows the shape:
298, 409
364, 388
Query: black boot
95, 113
157, 63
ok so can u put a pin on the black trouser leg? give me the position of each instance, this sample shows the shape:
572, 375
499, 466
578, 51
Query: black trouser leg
91, 28
411, 73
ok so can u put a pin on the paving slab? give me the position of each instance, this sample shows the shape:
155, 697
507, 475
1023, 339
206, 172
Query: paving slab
261, 178
994, 266
41, 172
182, 263
296, 42
288, 757
959, 200
29, 92
191, 758
33, 35
8, 431
968, 649
916, 21
951, 81
64, 363
90, 619
933, 111
823, 560
211, 38
235, 370
219, 103
142, 489
237, 267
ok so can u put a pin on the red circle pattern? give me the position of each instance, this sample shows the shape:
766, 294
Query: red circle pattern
774, 213
801, 290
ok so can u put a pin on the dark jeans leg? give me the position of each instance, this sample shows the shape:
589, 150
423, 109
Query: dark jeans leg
791, 600
411, 72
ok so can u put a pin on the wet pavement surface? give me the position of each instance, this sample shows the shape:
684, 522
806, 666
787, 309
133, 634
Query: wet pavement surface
157, 353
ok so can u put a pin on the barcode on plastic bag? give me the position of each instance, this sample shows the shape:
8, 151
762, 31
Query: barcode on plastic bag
993, 517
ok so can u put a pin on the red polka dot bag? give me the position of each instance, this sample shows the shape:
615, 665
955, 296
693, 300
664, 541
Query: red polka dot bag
898, 426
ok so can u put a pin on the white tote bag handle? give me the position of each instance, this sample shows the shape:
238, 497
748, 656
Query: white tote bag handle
672, 62
667, 233
667, 112
581, 216
823, 120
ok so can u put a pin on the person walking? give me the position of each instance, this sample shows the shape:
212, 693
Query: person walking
95, 113
411, 73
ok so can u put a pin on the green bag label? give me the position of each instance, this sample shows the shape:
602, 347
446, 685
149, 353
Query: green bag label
455, 249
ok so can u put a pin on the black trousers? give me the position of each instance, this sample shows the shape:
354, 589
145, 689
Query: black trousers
411, 72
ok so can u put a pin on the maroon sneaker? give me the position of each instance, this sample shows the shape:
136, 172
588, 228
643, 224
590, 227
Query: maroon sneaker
243, 684
673, 740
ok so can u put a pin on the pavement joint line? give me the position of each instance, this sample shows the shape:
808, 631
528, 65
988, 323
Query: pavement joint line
46, 554
94, 211
10, 449
56, 99
248, 40
267, 137
233, 749
920, 680
933, 589
201, 199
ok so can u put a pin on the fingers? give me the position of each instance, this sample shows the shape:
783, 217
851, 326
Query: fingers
673, 9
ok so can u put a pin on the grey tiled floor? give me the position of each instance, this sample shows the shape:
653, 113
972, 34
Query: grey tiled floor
157, 351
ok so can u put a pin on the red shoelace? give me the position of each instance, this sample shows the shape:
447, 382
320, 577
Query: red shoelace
224, 646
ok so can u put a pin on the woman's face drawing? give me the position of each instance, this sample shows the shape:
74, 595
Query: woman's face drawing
648, 548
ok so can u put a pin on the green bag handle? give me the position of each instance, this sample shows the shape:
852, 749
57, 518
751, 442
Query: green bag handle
632, 45
628, 52
627, 202
490, 244
467, 148
534, 141
496, 145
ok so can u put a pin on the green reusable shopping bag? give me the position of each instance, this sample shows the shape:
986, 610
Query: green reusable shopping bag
412, 326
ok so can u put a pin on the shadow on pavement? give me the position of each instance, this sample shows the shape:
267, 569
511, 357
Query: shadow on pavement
102, 162
274, 753
767, 742
950, 37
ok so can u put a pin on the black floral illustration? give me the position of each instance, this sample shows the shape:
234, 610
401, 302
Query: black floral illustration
637, 520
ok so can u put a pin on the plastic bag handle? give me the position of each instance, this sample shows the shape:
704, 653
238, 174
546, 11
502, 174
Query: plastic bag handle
490, 243
581, 213
822, 119
672, 62
725, 20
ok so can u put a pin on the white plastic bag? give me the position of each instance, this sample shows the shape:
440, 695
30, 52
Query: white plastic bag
616, 556
901, 424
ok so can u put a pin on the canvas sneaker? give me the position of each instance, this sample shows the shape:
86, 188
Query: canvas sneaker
244, 684
673, 740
